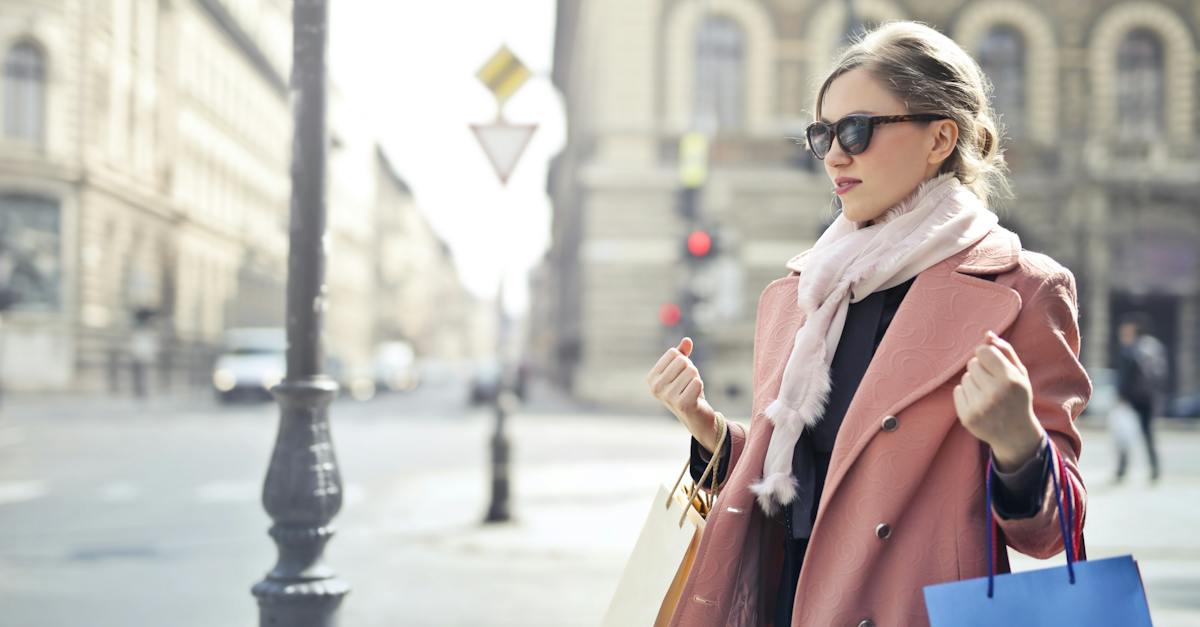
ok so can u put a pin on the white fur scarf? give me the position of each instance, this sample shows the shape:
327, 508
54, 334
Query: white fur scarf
849, 262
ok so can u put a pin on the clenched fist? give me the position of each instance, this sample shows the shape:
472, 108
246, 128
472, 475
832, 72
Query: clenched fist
676, 382
994, 402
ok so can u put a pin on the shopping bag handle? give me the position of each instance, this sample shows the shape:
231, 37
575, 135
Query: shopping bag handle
711, 469
1064, 521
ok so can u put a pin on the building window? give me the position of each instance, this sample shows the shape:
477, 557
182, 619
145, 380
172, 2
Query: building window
1140, 86
25, 93
1002, 57
720, 82
30, 260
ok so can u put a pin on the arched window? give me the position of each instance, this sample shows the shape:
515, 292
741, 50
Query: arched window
1002, 58
25, 92
1140, 86
720, 84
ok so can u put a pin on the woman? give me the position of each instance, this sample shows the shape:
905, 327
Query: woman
911, 346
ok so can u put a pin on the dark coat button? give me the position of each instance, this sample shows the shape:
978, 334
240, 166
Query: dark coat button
883, 531
891, 423
867, 623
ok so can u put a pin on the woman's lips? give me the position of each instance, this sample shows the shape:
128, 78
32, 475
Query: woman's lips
846, 186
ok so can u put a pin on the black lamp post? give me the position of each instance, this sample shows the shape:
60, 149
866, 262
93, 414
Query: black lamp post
303, 488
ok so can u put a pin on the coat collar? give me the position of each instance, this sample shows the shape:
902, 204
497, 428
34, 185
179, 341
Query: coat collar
998, 252
934, 333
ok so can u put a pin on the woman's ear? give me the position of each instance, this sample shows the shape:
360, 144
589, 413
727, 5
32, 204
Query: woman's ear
945, 137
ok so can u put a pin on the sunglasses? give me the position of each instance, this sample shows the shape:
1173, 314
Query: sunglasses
854, 131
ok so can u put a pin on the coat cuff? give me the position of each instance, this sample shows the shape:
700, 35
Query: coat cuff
701, 456
1018, 494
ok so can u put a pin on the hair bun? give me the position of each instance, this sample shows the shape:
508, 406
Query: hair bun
987, 139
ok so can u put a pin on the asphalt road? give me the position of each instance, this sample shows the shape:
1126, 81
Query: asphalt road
116, 513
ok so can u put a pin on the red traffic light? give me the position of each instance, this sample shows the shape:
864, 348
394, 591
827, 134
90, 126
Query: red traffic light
669, 314
699, 243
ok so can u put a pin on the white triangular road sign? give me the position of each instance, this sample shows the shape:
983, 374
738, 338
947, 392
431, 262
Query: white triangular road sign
503, 144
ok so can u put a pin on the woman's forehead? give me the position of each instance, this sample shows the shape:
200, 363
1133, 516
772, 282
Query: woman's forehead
858, 91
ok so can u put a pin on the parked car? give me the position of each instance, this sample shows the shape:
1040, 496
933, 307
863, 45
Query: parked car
252, 361
396, 367
485, 382
437, 372
1104, 398
1187, 406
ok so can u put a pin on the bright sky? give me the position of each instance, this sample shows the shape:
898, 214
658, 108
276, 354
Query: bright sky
411, 64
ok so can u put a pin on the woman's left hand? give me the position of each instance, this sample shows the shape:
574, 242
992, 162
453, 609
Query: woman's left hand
994, 402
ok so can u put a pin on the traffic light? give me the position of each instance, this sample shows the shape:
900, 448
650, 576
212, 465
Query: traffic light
699, 243
670, 315
693, 159
687, 202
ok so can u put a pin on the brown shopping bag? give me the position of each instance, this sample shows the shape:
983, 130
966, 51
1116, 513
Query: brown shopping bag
658, 567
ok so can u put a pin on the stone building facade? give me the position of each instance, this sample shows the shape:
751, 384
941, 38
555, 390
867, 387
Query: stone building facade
1099, 104
144, 184
146, 144
420, 297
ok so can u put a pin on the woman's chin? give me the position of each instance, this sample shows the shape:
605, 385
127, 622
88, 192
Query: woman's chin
857, 215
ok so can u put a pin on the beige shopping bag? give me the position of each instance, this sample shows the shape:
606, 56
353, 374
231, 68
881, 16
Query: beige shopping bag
658, 563
658, 567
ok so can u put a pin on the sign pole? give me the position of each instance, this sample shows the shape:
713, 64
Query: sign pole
503, 74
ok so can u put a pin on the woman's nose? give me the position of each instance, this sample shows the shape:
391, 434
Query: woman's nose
836, 156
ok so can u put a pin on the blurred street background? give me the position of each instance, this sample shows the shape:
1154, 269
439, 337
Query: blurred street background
536, 194
122, 513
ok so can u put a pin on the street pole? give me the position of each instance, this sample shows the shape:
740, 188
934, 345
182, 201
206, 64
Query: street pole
853, 25
688, 299
503, 74
498, 510
303, 488
693, 174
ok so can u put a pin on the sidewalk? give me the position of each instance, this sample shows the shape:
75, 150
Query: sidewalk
581, 486
583, 483
38, 403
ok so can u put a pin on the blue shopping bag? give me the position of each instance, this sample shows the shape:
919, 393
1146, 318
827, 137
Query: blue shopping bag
1096, 593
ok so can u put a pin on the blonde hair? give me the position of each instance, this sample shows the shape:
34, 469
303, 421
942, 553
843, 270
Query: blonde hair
931, 73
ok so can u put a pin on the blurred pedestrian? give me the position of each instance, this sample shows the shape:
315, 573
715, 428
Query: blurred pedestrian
8, 298
143, 352
1141, 384
2, 357
912, 350
521, 379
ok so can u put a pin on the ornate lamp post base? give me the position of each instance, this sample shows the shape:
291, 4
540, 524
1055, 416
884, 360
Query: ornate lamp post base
307, 603
302, 494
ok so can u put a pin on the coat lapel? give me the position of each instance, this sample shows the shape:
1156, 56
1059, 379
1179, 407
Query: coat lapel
935, 331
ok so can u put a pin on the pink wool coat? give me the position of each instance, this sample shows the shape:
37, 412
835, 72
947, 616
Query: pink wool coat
902, 459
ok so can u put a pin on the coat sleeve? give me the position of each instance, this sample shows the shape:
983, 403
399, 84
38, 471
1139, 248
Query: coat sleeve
1046, 338
730, 454
1018, 494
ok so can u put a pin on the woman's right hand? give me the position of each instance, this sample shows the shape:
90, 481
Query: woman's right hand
676, 382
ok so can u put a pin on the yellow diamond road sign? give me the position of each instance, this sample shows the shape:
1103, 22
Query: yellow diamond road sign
503, 74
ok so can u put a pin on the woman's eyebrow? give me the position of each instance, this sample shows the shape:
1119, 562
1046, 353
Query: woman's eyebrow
851, 113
